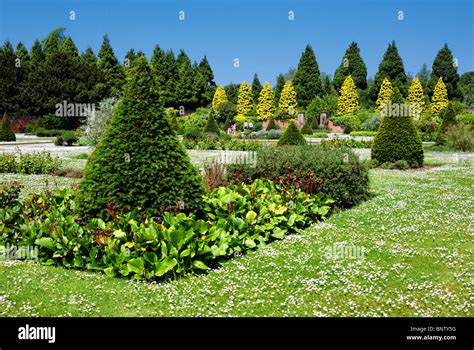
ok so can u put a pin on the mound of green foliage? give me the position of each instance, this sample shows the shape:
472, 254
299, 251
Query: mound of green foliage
397, 139
331, 169
237, 218
29, 163
291, 136
139, 162
6, 131
448, 118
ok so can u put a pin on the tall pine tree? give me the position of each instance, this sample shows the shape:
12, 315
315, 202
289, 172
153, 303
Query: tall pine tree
9, 80
111, 74
307, 80
352, 64
391, 67
445, 67
184, 85
279, 87
256, 88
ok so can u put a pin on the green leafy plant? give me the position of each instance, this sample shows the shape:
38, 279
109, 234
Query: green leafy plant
237, 218
29, 163
326, 167
363, 133
9, 193
460, 137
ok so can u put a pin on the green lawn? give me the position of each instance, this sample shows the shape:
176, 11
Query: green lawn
418, 239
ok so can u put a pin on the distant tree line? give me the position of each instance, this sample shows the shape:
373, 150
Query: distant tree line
33, 81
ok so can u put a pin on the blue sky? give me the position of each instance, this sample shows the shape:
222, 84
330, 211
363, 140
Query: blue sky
258, 33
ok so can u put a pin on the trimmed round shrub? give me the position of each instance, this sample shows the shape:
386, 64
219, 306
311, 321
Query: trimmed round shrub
139, 163
291, 136
6, 131
398, 139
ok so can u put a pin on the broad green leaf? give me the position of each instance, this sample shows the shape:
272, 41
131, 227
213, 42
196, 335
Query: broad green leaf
136, 265
250, 243
162, 267
251, 217
198, 264
46, 242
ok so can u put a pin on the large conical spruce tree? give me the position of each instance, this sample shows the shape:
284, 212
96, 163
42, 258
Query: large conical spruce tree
307, 79
444, 67
280, 82
111, 73
139, 162
352, 64
390, 67
184, 85
256, 88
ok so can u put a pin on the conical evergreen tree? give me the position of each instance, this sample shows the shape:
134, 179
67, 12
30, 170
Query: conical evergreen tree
439, 100
347, 103
6, 131
266, 104
288, 100
111, 74
306, 129
271, 125
22, 103
205, 70
391, 68
416, 97
139, 163
184, 86
211, 125
220, 97
256, 88
397, 96
279, 87
89, 76
35, 96
245, 99
327, 85
444, 67
164, 69
9, 79
352, 64
291, 136
385, 94
398, 139
307, 80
